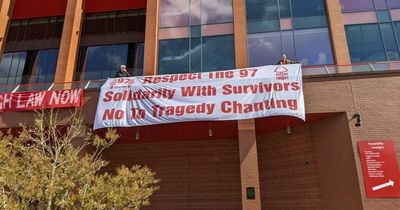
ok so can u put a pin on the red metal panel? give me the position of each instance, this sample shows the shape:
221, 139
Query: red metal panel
380, 169
26, 9
94, 6
183, 131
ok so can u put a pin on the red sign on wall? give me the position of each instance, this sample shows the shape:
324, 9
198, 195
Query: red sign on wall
40, 100
380, 169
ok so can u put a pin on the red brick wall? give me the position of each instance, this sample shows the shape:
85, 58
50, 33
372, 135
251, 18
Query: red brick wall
194, 174
288, 171
378, 101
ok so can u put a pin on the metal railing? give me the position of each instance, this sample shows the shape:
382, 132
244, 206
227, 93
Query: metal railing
307, 71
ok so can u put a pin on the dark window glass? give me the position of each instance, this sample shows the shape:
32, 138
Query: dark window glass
110, 40
266, 48
262, 9
35, 29
139, 61
309, 22
196, 54
218, 53
45, 66
357, 5
365, 43
284, 9
257, 26
265, 15
34, 34
12, 67
392, 51
195, 31
308, 14
383, 16
95, 24
397, 29
104, 61
173, 56
126, 22
114, 23
101, 62
34, 66
308, 8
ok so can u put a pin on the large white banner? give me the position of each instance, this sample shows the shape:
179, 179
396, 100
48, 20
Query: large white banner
221, 95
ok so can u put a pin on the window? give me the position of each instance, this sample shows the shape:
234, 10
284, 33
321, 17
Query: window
218, 53
397, 29
287, 26
43, 33
310, 53
389, 40
173, 56
31, 51
299, 45
365, 43
179, 13
33, 66
110, 40
308, 14
114, 23
139, 61
45, 66
12, 67
262, 9
206, 54
195, 36
374, 35
101, 62
357, 5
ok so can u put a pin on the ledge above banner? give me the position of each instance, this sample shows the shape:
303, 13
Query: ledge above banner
220, 95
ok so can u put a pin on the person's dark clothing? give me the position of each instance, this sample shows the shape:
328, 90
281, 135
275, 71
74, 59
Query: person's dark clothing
122, 74
284, 62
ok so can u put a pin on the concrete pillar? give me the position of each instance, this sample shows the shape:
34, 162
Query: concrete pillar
69, 46
6, 11
246, 128
338, 34
151, 38
249, 174
239, 28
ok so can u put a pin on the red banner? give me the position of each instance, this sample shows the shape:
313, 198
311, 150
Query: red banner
380, 169
26, 101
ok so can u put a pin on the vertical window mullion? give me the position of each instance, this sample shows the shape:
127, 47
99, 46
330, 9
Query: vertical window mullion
395, 35
293, 30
